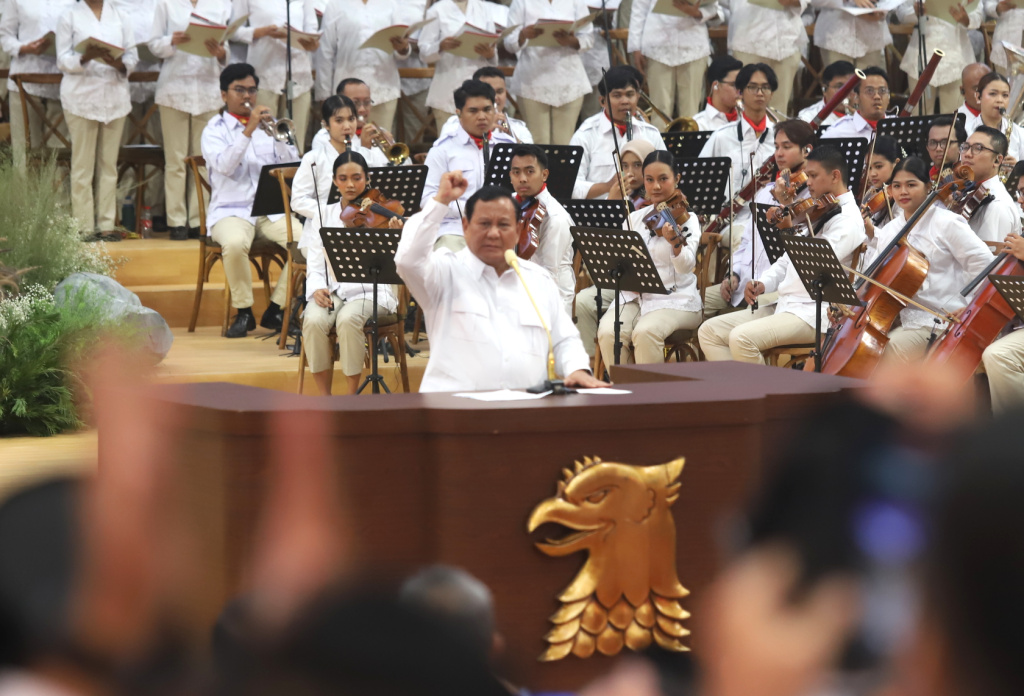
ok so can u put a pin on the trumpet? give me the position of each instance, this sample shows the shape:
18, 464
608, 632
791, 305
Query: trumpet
395, 152
775, 115
505, 127
280, 129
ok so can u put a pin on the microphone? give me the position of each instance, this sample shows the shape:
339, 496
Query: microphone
552, 383
319, 210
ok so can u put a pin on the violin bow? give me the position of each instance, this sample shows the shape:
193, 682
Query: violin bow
753, 237
942, 164
616, 157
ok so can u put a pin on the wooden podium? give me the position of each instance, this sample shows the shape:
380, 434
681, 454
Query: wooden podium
435, 478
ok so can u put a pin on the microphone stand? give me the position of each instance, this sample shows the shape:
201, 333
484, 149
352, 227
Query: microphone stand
753, 236
288, 84
922, 52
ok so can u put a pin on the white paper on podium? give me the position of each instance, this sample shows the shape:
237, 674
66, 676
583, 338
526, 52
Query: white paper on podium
501, 395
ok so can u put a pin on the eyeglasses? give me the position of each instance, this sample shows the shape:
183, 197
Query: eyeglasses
731, 84
760, 89
939, 144
871, 91
246, 92
975, 149
363, 102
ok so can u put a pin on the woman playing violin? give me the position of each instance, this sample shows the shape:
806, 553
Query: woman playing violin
953, 251
885, 155
346, 306
671, 239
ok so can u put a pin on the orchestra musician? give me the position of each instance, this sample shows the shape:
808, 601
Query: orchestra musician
833, 78
236, 150
468, 150
484, 330
1004, 358
952, 249
943, 150
344, 306
999, 215
872, 101
745, 335
495, 78
970, 76
885, 155
620, 92
770, 36
722, 97
359, 93
993, 94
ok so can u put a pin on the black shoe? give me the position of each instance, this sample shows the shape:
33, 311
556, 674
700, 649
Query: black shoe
242, 325
178, 234
273, 318
193, 233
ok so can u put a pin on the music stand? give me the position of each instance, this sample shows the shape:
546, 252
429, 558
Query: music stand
593, 212
823, 277
563, 167
618, 259
702, 180
686, 144
1012, 290
910, 131
267, 200
771, 235
855, 151
404, 184
364, 255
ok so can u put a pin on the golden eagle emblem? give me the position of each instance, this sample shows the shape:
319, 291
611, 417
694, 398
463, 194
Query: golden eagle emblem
628, 591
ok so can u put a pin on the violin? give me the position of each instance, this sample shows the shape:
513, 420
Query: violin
639, 199
877, 204
531, 215
811, 209
969, 202
674, 212
372, 209
788, 185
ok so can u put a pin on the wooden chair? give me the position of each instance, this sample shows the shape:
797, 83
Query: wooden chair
36, 152
393, 332
261, 254
297, 260
142, 149
683, 344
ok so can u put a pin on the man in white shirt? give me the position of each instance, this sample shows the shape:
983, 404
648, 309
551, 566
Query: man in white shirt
857, 39
833, 78
467, 150
620, 92
772, 36
970, 76
359, 92
943, 150
872, 101
495, 78
236, 150
528, 172
721, 105
999, 216
484, 330
744, 335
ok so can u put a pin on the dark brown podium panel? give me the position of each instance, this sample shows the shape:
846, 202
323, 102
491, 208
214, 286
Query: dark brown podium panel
435, 478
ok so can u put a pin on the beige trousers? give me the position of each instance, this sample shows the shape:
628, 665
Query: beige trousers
35, 126
949, 97
785, 71
744, 336
586, 314
643, 337
873, 59
907, 345
348, 318
279, 106
550, 125
94, 150
384, 114
236, 235
183, 134
679, 87
1004, 363
714, 305
440, 118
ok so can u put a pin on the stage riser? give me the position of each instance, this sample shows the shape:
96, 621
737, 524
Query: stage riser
174, 302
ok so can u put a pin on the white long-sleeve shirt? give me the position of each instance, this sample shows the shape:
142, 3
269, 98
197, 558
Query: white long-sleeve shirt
1015, 141
138, 14
1009, 27
949, 36
595, 137
187, 82
22, 22
234, 163
345, 26
669, 39
851, 126
997, 218
484, 331
269, 55
519, 129
549, 75
676, 272
94, 91
554, 247
774, 34
842, 32
807, 114
845, 233
451, 70
373, 155
727, 142
955, 256
711, 119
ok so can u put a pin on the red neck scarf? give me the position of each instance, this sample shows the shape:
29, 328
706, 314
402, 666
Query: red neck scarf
244, 120
974, 112
480, 141
873, 124
520, 199
758, 127
620, 126
731, 116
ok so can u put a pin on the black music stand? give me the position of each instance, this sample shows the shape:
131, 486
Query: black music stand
686, 145
910, 132
823, 276
1012, 290
267, 200
855, 152
702, 180
771, 235
404, 184
364, 255
595, 212
563, 167
618, 259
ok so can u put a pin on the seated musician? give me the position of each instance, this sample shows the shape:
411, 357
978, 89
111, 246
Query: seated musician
648, 319
744, 336
872, 101
793, 140
332, 304
236, 149
468, 150
528, 172
619, 93
953, 252
970, 76
833, 78
998, 216
484, 330
359, 92
944, 150
885, 155
1004, 359
993, 94
493, 76
721, 106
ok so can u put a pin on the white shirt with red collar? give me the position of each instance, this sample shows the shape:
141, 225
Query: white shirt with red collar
737, 141
595, 137
554, 247
808, 114
852, 126
711, 119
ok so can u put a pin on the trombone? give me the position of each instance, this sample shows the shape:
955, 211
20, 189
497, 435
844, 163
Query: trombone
681, 124
280, 129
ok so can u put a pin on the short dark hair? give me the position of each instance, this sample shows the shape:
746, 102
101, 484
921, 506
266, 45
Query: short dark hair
349, 157
836, 69
722, 66
488, 193
489, 71
999, 142
877, 72
473, 88
988, 79
946, 120
916, 166
346, 82
335, 103
530, 150
236, 72
619, 77
888, 147
748, 70
829, 157
798, 131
